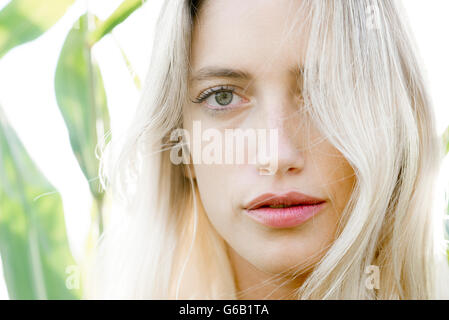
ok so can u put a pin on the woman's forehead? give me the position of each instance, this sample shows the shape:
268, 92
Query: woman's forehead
247, 33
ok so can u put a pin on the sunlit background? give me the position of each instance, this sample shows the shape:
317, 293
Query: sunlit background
27, 92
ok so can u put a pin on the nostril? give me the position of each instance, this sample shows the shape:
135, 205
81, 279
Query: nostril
292, 170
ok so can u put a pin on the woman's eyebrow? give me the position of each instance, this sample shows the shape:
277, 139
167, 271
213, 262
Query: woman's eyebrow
207, 73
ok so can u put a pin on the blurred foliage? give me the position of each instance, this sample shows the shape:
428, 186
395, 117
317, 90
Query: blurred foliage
33, 241
120, 14
82, 101
445, 139
24, 20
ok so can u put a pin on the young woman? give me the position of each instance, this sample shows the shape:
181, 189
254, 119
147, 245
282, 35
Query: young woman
346, 212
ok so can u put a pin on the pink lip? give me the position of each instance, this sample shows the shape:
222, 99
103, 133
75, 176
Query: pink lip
300, 208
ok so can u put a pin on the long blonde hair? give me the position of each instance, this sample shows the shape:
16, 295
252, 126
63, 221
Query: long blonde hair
363, 87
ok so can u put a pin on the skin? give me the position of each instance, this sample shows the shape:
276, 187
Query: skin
247, 35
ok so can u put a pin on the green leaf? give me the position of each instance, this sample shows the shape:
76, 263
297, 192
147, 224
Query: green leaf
33, 241
25, 20
129, 66
118, 16
82, 101
445, 139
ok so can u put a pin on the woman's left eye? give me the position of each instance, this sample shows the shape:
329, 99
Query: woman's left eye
221, 98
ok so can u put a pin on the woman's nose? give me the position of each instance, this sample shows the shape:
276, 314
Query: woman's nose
284, 117
290, 158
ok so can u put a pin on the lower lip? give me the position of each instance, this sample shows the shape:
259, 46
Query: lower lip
285, 217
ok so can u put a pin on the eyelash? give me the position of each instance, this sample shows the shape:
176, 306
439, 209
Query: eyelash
208, 92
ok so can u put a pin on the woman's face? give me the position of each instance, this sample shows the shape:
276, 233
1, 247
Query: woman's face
250, 37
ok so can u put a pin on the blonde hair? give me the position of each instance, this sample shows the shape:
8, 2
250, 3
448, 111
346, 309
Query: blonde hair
364, 89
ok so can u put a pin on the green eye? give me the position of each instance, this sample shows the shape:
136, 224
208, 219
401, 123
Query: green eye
220, 99
224, 97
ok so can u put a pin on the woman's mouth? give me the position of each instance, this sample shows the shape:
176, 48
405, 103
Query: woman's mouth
283, 210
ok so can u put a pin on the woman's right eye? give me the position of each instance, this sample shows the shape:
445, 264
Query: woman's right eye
221, 98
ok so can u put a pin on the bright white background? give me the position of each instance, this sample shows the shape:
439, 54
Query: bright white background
27, 91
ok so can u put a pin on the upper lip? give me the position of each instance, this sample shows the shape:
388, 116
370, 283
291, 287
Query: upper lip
287, 199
